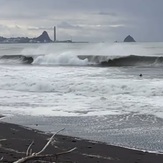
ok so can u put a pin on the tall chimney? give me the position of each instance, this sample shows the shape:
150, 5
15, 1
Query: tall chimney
55, 37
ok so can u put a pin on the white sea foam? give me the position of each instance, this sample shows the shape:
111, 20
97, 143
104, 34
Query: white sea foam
65, 58
49, 88
82, 91
66, 54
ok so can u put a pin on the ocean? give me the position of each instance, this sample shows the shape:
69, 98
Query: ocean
108, 92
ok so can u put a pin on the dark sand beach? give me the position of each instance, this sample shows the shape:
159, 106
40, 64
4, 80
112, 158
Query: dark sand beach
15, 139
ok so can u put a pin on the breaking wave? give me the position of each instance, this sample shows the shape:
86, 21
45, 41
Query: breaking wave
83, 60
134, 60
16, 59
63, 59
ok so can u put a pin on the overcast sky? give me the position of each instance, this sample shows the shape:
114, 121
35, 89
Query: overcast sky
85, 20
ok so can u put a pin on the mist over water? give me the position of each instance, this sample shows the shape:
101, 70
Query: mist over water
65, 81
66, 54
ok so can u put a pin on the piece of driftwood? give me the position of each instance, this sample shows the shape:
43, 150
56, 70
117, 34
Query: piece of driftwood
1, 158
38, 156
29, 150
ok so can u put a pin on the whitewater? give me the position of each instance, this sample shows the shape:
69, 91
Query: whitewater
94, 90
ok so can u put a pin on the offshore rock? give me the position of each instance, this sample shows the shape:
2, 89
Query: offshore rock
129, 39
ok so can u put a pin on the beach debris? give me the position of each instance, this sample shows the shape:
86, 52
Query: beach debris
29, 150
98, 156
38, 156
3, 139
11, 150
1, 158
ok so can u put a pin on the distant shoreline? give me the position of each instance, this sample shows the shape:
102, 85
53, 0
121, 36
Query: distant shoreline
43, 38
57, 42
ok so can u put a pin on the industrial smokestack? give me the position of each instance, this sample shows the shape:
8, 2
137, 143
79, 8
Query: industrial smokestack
55, 37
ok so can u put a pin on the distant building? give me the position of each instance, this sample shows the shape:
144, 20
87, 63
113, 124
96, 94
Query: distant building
55, 34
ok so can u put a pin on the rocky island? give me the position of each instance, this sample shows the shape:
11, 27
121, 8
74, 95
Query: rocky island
129, 39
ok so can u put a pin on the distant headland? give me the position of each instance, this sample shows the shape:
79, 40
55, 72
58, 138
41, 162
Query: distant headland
43, 38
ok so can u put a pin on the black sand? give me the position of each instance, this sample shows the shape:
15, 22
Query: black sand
15, 139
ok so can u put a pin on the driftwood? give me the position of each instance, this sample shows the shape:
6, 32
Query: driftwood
1, 158
38, 156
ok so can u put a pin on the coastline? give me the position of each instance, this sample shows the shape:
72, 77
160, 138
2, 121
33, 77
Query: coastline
15, 139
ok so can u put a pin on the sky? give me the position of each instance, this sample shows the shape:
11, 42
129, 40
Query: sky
83, 20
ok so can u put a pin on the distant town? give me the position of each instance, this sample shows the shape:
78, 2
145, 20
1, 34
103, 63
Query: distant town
43, 38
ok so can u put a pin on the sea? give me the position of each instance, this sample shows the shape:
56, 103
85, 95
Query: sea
107, 92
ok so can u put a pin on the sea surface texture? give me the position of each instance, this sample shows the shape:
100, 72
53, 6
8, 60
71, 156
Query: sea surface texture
110, 92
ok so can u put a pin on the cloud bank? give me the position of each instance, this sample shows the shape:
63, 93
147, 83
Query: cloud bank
85, 20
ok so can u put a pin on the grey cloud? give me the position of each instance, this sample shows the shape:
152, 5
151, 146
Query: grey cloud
68, 25
40, 28
108, 13
94, 18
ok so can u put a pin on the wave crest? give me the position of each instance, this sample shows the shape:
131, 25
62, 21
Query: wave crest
62, 59
66, 59
134, 60
16, 59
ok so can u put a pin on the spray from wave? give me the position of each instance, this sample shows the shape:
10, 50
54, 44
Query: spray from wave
64, 59
101, 54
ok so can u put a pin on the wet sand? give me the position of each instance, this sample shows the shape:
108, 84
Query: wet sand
15, 139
